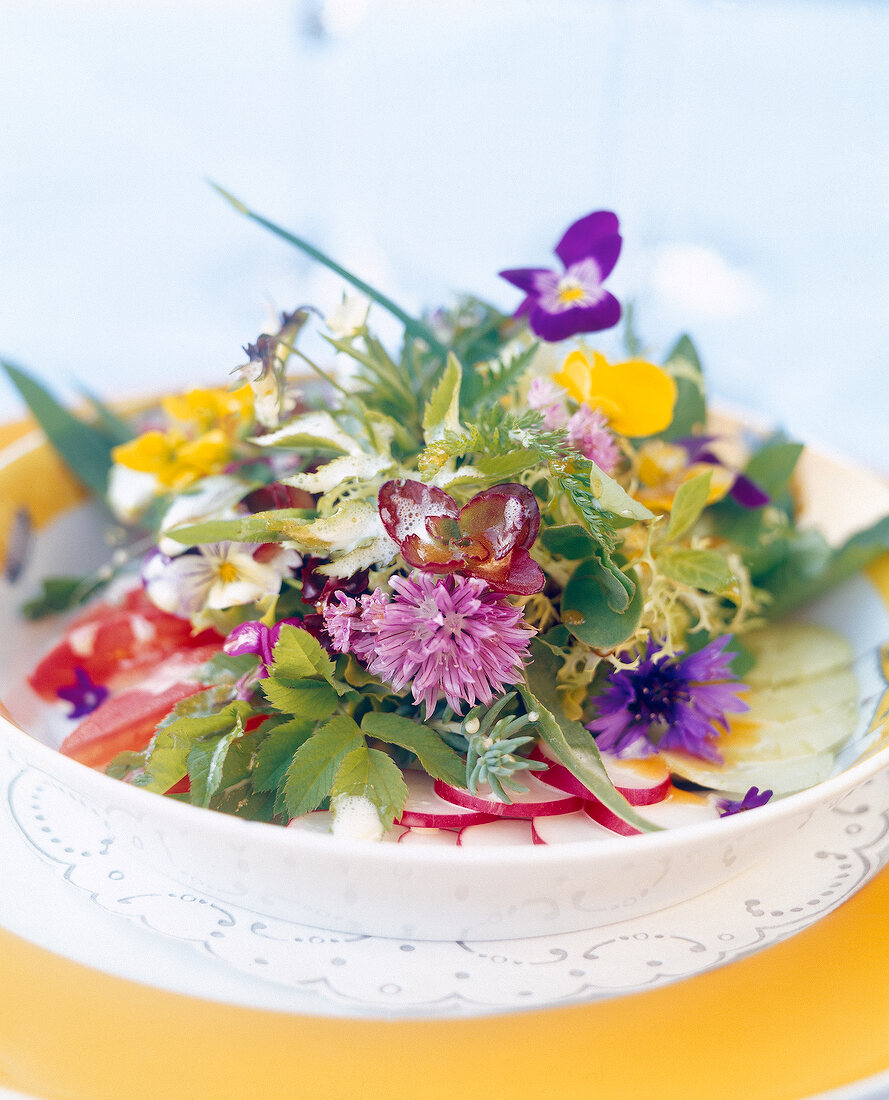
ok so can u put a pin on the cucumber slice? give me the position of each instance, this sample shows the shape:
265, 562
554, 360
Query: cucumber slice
790, 651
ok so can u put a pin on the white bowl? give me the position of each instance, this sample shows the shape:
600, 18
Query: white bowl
387, 889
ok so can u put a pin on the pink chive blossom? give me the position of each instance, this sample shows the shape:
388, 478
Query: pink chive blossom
545, 397
588, 432
452, 636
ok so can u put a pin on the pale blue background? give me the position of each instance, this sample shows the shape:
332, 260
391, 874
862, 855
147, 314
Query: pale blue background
744, 145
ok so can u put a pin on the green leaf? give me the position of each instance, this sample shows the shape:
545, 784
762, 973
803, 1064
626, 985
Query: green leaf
372, 774
316, 762
704, 569
490, 381
690, 411
84, 450
800, 579
688, 504
168, 753
593, 619
113, 428
273, 526
205, 763
570, 541
302, 698
299, 655
772, 466
437, 758
61, 594
611, 496
573, 745
275, 754
442, 411
416, 328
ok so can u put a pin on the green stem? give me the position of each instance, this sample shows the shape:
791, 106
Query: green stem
416, 328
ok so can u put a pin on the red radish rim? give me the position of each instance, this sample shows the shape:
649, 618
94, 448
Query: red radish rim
460, 797
559, 777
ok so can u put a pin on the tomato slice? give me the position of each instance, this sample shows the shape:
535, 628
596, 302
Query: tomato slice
116, 644
126, 721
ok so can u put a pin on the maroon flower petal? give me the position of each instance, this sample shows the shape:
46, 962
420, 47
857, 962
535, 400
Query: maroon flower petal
518, 575
505, 517
554, 327
406, 505
580, 238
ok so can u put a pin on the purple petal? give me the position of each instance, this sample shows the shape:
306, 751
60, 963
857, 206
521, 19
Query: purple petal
747, 493
525, 278
605, 252
554, 327
580, 238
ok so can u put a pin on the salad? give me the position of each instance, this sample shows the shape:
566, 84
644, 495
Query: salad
489, 586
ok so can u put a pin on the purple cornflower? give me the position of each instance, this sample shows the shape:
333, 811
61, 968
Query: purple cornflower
669, 703
753, 798
453, 636
562, 305
256, 637
84, 696
589, 433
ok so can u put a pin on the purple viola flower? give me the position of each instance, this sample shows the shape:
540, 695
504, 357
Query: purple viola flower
559, 305
753, 798
256, 637
83, 695
744, 491
669, 702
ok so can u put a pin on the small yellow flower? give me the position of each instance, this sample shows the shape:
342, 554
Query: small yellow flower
663, 467
637, 397
172, 458
203, 410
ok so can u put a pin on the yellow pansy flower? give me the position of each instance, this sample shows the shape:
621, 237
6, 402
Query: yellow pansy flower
637, 397
663, 467
174, 460
204, 410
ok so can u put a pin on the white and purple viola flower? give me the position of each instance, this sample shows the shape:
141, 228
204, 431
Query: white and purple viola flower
562, 304
669, 702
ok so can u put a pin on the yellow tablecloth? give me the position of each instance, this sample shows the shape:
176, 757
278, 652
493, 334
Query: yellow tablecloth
803, 1016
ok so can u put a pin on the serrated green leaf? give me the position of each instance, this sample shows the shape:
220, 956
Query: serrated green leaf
688, 504
704, 569
438, 759
593, 620
314, 699
316, 762
573, 745
85, 451
372, 774
442, 411
275, 754
298, 655
273, 526
205, 764
167, 756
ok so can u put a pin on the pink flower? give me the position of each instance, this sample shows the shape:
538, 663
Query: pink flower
588, 432
544, 396
453, 636
352, 624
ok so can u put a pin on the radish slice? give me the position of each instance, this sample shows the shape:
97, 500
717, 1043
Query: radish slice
497, 834
433, 838
536, 801
678, 808
568, 828
427, 810
641, 782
